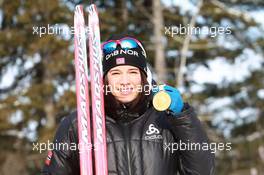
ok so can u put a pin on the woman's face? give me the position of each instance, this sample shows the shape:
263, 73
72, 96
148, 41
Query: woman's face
124, 82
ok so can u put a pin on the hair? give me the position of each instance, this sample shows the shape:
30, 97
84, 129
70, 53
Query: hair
138, 105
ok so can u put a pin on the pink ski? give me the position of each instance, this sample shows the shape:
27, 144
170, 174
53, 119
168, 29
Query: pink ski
84, 130
95, 56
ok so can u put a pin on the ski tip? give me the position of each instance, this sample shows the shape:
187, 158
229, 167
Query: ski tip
78, 7
92, 8
78, 10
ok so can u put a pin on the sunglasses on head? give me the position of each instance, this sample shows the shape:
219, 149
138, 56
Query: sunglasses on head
125, 43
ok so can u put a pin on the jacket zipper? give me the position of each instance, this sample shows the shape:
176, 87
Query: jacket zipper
128, 149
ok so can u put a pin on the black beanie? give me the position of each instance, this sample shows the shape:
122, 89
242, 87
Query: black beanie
134, 57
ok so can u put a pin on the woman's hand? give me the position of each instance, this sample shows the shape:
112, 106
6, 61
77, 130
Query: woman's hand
176, 104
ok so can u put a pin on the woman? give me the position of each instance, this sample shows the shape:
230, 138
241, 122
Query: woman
140, 139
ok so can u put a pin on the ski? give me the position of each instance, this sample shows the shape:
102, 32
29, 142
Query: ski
81, 75
96, 74
96, 77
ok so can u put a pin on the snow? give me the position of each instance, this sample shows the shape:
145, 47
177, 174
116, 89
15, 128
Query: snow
220, 70
9, 77
260, 93
258, 17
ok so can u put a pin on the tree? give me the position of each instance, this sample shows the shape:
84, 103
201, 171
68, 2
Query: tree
41, 66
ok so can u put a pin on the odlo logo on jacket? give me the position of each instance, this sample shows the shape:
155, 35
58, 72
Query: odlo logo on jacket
152, 133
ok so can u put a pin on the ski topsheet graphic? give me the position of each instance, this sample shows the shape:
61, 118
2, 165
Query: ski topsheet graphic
95, 56
81, 73
87, 146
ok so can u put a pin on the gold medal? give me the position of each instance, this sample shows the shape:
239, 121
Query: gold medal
161, 101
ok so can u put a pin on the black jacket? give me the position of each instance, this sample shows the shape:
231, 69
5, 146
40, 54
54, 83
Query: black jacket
152, 144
